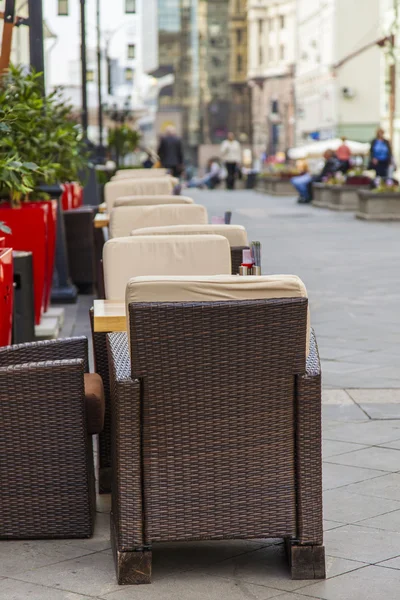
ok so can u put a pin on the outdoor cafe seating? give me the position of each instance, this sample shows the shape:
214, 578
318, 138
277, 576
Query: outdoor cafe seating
124, 258
216, 419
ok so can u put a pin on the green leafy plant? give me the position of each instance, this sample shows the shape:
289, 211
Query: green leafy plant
39, 141
123, 140
17, 179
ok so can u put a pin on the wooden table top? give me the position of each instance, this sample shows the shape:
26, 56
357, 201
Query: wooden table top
109, 316
101, 220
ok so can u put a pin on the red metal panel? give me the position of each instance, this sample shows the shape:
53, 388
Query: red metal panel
6, 296
29, 227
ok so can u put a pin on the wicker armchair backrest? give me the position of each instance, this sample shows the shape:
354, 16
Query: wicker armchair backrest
218, 415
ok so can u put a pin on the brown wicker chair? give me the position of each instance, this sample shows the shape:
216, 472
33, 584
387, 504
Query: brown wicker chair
216, 430
46, 465
218, 263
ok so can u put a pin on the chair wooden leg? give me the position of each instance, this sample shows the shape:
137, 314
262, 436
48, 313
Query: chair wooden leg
306, 562
132, 568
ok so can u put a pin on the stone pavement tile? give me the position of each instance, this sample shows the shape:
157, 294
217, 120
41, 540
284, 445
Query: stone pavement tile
101, 537
195, 586
393, 563
90, 575
363, 544
368, 432
383, 459
19, 556
369, 583
388, 522
337, 475
11, 589
381, 411
336, 398
345, 507
344, 413
378, 404
328, 525
387, 487
395, 445
332, 448
375, 396
269, 567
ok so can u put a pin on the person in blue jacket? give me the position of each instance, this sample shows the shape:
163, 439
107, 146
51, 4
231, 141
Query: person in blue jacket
381, 154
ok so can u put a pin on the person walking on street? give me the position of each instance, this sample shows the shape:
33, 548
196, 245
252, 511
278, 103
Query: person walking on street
170, 152
343, 154
381, 154
231, 154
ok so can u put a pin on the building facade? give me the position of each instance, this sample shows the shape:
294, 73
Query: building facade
240, 112
271, 66
129, 51
335, 99
213, 18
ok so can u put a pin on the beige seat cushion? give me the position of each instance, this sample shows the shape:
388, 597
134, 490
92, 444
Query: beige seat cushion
215, 288
137, 187
126, 218
151, 200
143, 173
235, 234
124, 258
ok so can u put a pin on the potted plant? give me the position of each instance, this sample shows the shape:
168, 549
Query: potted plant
41, 146
123, 140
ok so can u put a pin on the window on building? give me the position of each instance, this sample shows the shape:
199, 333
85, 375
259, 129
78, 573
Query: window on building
238, 36
215, 61
271, 56
282, 52
62, 8
239, 63
131, 51
128, 74
260, 55
130, 6
89, 75
260, 26
282, 21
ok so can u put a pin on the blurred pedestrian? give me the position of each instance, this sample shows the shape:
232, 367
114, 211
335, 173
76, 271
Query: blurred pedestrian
170, 152
231, 154
303, 183
343, 154
381, 154
213, 177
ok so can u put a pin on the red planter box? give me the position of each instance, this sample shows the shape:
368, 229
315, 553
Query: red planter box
67, 196
29, 227
77, 195
6, 296
51, 245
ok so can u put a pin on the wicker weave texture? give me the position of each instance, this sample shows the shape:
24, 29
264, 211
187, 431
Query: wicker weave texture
237, 258
218, 425
101, 367
46, 467
127, 502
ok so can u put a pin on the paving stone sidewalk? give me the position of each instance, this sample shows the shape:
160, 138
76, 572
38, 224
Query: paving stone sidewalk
362, 535
350, 269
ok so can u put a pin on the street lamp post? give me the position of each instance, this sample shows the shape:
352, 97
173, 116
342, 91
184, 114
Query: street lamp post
83, 68
99, 78
36, 36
